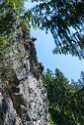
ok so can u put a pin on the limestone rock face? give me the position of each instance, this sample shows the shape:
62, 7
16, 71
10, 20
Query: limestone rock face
23, 98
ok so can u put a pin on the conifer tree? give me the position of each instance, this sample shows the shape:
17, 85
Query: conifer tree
64, 18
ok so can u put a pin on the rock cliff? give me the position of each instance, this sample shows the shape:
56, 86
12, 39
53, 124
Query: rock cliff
23, 98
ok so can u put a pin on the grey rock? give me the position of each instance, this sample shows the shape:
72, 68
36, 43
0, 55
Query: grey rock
23, 101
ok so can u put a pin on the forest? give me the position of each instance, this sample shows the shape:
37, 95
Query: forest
65, 99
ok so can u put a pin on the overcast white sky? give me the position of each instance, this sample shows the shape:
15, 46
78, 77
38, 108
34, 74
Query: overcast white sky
70, 66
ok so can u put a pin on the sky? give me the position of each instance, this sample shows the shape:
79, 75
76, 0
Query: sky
70, 66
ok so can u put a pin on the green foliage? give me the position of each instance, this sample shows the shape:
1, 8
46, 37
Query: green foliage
28, 16
2, 42
24, 24
75, 106
15, 4
80, 83
65, 21
65, 102
51, 121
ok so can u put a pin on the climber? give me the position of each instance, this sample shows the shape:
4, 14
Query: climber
40, 68
33, 39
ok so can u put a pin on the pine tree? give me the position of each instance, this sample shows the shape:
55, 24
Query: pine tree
64, 18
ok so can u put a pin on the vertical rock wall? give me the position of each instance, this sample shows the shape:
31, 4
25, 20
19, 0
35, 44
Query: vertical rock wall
23, 98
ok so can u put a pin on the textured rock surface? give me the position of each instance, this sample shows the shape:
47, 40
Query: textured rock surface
23, 101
